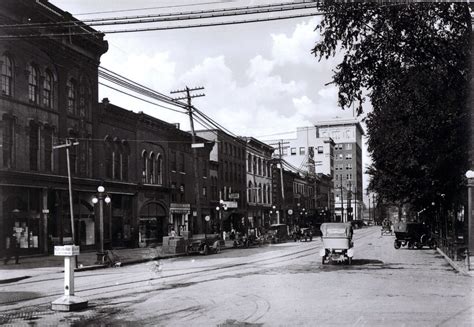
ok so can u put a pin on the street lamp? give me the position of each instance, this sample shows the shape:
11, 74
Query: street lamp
223, 206
101, 198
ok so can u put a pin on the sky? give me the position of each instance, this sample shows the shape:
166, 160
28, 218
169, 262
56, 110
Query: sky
260, 79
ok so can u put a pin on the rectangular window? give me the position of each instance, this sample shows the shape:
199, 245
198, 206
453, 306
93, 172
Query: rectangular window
8, 142
174, 192
293, 151
302, 150
204, 192
181, 162
340, 156
349, 146
320, 149
34, 146
48, 149
348, 156
173, 160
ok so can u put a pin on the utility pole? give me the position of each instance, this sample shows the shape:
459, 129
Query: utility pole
369, 208
197, 184
342, 203
281, 181
69, 144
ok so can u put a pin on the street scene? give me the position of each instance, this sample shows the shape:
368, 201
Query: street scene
236, 163
274, 285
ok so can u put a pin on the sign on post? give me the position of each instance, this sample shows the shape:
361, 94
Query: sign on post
66, 250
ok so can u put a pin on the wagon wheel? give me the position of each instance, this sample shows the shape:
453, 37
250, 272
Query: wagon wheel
411, 245
418, 245
349, 260
397, 244
433, 244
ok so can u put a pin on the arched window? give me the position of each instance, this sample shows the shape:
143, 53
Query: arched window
84, 99
48, 89
125, 159
71, 97
151, 169
159, 169
33, 84
144, 166
6, 82
117, 159
249, 163
249, 192
109, 157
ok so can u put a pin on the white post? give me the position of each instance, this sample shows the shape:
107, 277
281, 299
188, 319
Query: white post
69, 264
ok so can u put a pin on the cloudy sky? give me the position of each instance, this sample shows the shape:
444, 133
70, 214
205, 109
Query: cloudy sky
260, 79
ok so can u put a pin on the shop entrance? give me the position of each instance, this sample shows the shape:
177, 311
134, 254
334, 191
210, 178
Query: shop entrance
151, 224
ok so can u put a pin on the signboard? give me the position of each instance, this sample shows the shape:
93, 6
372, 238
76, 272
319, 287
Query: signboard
230, 204
234, 196
66, 250
197, 145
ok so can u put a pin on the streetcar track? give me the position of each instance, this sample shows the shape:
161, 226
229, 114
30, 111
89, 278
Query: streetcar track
148, 280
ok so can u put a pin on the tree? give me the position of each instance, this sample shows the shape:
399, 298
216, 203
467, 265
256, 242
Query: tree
411, 59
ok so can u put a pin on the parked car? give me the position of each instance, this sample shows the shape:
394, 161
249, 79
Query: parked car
205, 244
277, 233
305, 234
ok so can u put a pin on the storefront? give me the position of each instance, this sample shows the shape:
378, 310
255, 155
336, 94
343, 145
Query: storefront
152, 224
22, 218
179, 214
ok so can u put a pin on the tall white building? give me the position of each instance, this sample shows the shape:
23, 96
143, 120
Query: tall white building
347, 135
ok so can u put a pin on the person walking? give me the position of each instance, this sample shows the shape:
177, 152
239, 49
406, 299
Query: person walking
12, 249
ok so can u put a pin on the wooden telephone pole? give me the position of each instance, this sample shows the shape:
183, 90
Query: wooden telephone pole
197, 184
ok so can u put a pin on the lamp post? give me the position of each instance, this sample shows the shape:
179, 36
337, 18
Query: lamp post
101, 198
222, 206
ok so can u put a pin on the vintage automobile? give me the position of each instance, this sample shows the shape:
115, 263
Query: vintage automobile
277, 233
337, 242
386, 227
205, 244
303, 234
413, 235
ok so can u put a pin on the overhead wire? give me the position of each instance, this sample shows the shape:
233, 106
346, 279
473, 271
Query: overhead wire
222, 12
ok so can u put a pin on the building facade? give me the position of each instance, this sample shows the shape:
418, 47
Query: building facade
228, 155
48, 94
347, 135
259, 182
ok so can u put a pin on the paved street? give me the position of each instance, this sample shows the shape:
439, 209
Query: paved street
276, 285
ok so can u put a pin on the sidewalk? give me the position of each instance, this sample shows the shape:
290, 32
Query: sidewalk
37, 265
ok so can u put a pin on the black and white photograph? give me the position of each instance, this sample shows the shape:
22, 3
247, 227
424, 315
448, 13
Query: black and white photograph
236, 163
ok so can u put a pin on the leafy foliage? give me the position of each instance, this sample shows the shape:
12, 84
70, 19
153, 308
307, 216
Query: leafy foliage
412, 58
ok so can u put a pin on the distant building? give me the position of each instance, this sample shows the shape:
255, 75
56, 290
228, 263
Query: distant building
259, 182
347, 135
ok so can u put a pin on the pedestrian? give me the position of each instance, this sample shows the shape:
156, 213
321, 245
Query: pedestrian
173, 232
12, 249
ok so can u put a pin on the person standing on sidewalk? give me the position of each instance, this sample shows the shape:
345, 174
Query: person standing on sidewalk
12, 249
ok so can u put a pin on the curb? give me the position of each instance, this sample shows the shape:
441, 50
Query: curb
453, 264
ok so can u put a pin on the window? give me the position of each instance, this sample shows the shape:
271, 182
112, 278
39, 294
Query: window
264, 166
33, 84
302, 150
144, 166
125, 159
340, 156
159, 169
204, 192
117, 159
249, 163
320, 149
181, 162
259, 166
259, 193
71, 97
73, 154
293, 151
181, 192
48, 90
34, 145
151, 169
173, 160
349, 166
84, 99
8, 147
348, 156
6, 82
48, 149
349, 146
249, 192
109, 157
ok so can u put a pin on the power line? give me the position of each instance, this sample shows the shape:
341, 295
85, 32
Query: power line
223, 12
151, 8
164, 28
